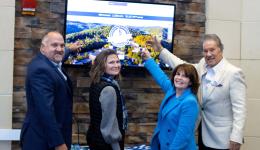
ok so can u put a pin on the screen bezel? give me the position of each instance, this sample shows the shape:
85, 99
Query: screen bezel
128, 1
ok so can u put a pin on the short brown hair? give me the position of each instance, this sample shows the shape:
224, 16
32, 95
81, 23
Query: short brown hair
190, 72
99, 66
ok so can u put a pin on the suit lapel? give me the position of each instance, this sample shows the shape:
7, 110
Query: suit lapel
171, 107
220, 75
166, 100
49, 63
68, 82
202, 74
59, 73
175, 102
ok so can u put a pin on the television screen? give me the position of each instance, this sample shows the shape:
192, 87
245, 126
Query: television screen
119, 25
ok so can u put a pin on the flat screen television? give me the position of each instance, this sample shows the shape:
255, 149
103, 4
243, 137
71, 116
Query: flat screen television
120, 25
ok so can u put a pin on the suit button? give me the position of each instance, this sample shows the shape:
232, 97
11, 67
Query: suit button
167, 144
202, 108
169, 130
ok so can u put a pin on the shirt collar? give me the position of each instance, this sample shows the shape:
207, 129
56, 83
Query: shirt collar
217, 67
212, 71
57, 64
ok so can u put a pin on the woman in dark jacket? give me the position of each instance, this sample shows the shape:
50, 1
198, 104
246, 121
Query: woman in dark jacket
108, 116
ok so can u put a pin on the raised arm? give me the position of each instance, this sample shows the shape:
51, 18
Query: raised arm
169, 58
71, 49
165, 55
159, 76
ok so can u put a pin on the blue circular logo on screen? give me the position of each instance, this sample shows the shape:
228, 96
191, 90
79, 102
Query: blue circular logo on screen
119, 36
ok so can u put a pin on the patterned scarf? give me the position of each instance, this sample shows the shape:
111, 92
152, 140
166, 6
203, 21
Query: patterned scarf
110, 79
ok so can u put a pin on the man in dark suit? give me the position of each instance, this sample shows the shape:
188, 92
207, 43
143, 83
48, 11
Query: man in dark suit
48, 122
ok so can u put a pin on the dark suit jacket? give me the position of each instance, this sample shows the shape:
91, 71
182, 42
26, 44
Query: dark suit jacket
48, 122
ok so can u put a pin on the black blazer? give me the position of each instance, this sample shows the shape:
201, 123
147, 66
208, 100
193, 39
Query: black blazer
48, 122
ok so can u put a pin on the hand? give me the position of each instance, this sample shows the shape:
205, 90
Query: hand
145, 54
234, 145
75, 46
155, 44
61, 147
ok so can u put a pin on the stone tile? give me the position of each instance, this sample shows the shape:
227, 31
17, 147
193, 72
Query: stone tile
252, 73
250, 45
229, 32
235, 62
251, 143
7, 3
250, 10
7, 28
6, 111
5, 145
6, 75
252, 127
223, 10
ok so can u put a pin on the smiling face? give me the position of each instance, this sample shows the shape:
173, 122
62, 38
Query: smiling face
181, 81
53, 46
113, 65
185, 76
212, 53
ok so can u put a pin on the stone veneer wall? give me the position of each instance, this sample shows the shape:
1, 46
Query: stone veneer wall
142, 95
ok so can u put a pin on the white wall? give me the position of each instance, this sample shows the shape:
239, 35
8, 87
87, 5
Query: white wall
237, 22
7, 21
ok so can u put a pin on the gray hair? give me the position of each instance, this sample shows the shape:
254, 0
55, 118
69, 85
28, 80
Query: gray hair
215, 38
46, 36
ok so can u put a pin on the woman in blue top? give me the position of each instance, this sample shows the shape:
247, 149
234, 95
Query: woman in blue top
179, 109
